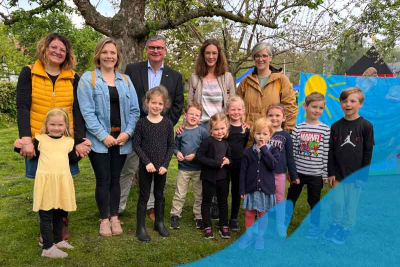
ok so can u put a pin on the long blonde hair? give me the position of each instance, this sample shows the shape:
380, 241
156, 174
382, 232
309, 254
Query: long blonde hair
234, 99
55, 112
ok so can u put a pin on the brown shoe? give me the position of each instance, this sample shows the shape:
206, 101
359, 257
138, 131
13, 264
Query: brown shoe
65, 232
105, 228
151, 214
116, 228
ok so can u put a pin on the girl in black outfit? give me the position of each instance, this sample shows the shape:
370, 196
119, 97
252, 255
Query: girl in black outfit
153, 143
214, 154
237, 140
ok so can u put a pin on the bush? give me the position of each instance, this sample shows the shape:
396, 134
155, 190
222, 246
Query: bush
7, 99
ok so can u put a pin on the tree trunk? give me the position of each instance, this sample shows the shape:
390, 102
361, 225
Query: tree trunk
131, 50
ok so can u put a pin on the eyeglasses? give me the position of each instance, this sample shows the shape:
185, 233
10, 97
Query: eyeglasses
264, 57
193, 115
56, 48
153, 48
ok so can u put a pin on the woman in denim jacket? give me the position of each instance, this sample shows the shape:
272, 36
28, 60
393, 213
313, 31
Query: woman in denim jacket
110, 109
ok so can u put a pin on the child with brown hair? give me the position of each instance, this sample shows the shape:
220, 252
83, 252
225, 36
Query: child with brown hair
310, 149
153, 143
185, 147
351, 144
214, 155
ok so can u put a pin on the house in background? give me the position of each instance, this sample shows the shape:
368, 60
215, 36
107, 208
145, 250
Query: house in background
371, 59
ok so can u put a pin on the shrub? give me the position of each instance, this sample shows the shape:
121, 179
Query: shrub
7, 99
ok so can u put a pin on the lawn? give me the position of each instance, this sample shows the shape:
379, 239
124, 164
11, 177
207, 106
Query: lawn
20, 225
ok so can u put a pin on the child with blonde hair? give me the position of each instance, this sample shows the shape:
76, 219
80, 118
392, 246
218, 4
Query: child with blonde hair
54, 191
257, 181
237, 140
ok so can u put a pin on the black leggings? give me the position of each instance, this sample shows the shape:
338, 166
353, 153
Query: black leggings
235, 194
47, 219
314, 187
145, 179
107, 169
221, 188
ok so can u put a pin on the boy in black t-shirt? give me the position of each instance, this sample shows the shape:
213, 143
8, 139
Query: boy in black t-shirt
350, 149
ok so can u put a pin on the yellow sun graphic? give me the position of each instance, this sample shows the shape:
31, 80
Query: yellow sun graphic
317, 83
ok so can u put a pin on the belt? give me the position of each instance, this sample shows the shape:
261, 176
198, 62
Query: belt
115, 129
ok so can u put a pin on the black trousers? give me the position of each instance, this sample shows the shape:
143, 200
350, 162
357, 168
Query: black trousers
221, 188
235, 178
107, 169
145, 179
49, 218
314, 187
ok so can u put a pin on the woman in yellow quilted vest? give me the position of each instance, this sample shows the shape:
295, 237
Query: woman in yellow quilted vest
49, 82
266, 85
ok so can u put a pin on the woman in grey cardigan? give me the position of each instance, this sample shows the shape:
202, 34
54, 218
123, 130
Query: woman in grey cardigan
211, 85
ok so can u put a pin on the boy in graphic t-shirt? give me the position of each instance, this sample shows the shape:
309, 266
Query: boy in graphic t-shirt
310, 151
351, 145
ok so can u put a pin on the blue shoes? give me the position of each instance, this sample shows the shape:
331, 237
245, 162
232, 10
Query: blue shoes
341, 236
332, 230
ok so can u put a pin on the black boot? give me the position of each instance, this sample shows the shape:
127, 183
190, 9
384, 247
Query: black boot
159, 223
141, 231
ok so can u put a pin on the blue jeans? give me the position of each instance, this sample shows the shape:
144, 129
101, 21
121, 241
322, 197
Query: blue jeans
31, 167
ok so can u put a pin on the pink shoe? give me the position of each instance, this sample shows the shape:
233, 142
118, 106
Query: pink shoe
105, 228
116, 228
54, 252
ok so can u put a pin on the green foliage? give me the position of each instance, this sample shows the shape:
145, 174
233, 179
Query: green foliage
29, 31
7, 98
11, 57
381, 19
348, 50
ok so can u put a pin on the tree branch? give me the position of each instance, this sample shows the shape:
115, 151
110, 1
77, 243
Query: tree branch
205, 12
93, 18
9, 20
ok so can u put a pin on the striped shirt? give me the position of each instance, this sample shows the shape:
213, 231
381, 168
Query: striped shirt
212, 99
310, 148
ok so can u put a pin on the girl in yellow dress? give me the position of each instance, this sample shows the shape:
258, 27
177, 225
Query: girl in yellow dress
54, 190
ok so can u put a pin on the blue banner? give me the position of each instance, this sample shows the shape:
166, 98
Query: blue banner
381, 107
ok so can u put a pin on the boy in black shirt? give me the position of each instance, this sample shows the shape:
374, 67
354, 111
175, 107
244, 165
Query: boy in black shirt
351, 143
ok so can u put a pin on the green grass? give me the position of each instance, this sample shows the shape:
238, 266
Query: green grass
19, 225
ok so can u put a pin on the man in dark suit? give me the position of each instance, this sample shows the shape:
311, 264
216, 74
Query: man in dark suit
146, 75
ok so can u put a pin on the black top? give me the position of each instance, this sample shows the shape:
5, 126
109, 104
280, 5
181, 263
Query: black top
115, 116
350, 148
71, 155
211, 153
237, 140
283, 141
24, 102
153, 142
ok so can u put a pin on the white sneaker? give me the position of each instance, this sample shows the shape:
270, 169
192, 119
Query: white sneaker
54, 252
64, 244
